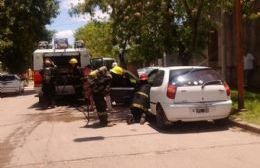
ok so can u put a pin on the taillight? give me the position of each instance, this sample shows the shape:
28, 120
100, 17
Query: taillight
227, 88
171, 91
37, 78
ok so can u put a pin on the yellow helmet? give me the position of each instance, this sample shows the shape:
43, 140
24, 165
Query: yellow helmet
93, 74
117, 70
73, 61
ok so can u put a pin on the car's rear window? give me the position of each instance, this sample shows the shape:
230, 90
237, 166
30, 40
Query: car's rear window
7, 78
191, 77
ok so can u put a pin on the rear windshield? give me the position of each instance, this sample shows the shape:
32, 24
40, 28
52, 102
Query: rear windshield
191, 77
7, 78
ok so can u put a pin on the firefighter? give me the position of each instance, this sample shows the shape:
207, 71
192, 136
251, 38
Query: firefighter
76, 76
86, 88
141, 102
48, 87
100, 81
120, 78
117, 76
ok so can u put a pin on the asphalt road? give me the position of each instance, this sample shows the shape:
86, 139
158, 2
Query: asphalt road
59, 138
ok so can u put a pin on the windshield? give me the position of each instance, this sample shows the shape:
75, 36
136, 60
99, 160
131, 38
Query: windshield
191, 77
62, 62
7, 78
99, 62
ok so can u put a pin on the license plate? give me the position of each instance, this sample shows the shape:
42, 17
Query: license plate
200, 110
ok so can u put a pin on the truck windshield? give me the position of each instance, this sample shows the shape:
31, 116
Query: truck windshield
63, 61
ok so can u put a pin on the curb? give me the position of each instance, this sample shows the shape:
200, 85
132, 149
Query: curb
244, 125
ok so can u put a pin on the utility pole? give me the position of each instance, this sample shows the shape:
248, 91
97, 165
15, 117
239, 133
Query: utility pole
222, 43
240, 60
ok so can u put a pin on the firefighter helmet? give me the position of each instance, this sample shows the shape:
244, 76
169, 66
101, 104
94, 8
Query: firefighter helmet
117, 70
143, 77
73, 61
93, 74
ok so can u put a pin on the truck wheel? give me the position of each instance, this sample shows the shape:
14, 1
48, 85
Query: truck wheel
160, 118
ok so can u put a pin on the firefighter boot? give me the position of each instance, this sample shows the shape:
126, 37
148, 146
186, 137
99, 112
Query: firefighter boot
130, 119
143, 119
103, 119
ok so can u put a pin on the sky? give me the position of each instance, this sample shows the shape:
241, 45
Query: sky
65, 25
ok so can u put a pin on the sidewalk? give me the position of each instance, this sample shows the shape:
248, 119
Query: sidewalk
244, 125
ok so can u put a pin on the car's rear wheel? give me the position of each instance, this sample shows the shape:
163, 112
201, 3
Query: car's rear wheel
160, 118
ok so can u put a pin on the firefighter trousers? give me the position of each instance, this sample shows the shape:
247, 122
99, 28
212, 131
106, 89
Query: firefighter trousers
100, 104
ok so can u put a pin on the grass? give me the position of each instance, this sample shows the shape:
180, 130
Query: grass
252, 105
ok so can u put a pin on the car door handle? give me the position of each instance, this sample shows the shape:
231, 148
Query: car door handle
183, 91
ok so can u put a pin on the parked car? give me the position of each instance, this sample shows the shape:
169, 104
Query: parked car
187, 93
11, 83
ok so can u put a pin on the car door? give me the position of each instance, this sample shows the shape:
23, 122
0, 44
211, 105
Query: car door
156, 78
124, 94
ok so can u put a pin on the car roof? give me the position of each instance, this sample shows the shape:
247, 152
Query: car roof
182, 67
7, 74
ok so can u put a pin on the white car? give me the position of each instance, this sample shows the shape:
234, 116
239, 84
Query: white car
11, 83
186, 93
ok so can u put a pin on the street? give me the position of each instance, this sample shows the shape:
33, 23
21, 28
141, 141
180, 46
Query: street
59, 138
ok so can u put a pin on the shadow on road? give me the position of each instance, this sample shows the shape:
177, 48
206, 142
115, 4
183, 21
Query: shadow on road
86, 139
67, 101
98, 138
190, 127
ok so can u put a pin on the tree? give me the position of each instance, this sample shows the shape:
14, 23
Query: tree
97, 37
153, 27
22, 26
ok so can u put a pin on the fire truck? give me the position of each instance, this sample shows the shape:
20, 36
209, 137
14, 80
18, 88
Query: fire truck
60, 55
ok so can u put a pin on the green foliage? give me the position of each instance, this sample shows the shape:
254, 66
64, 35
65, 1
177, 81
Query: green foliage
97, 37
150, 28
252, 104
22, 26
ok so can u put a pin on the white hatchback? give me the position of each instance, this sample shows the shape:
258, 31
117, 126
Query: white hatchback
187, 93
11, 83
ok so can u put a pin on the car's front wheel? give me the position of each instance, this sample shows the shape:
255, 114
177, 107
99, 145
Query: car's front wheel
160, 118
